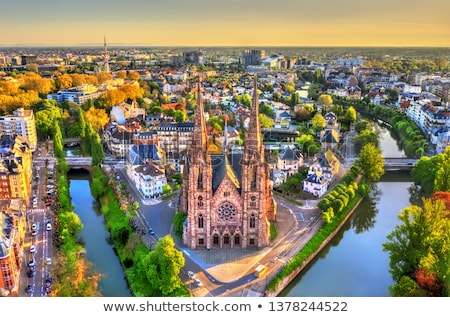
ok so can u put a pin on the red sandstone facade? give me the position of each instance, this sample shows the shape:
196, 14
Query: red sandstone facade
227, 196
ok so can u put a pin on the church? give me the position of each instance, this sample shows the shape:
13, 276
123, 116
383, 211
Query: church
227, 196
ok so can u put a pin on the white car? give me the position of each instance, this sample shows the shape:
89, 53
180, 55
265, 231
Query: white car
32, 262
48, 226
198, 282
191, 275
33, 249
48, 261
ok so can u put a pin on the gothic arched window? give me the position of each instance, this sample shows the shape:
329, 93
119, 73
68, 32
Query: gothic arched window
252, 221
200, 221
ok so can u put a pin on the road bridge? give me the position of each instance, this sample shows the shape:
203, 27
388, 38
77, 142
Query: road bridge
399, 163
78, 162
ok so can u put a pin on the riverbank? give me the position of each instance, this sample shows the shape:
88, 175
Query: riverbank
285, 281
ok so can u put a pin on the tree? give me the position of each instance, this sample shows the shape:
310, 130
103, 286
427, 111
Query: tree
420, 243
350, 114
371, 162
162, 267
318, 122
325, 100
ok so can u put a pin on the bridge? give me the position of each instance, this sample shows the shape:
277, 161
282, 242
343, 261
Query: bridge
71, 140
78, 162
399, 163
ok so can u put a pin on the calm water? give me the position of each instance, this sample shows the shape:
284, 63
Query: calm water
354, 264
95, 236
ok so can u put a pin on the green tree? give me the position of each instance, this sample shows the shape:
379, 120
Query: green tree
318, 122
167, 189
350, 114
162, 267
371, 162
421, 242
325, 100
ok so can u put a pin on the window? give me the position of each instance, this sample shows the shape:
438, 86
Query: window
226, 211
252, 221
251, 241
201, 241
216, 239
237, 239
200, 221
226, 194
200, 201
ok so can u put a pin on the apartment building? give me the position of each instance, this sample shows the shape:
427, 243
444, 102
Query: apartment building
20, 122
12, 233
15, 168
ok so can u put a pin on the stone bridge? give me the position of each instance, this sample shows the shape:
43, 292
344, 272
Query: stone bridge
77, 162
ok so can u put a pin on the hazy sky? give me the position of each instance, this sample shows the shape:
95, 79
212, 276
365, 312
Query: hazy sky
226, 22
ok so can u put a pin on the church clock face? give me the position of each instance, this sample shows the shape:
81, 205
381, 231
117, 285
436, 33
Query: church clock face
226, 211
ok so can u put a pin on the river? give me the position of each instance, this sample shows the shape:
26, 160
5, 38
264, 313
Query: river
99, 251
354, 264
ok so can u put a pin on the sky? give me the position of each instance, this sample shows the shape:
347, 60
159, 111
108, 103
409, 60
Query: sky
394, 23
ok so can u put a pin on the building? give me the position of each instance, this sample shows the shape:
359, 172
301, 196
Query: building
227, 196
21, 122
12, 233
289, 160
253, 57
79, 95
15, 168
175, 138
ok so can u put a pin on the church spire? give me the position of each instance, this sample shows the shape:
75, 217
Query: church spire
105, 56
254, 148
199, 137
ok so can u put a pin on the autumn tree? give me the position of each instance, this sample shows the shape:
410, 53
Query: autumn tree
96, 117
371, 162
63, 81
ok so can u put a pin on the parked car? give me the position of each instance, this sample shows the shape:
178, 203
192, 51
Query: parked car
191, 275
33, 249
48, 226
198, 282
31, 272
48, 261
30, 288
32, 262
151, 231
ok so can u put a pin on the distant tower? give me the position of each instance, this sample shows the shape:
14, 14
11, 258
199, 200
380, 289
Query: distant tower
105, 56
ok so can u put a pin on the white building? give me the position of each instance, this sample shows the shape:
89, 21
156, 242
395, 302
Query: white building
21, 122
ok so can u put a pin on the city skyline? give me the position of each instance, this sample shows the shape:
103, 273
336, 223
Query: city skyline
234, 23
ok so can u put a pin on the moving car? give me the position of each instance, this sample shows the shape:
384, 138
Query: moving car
151, 231
32, 249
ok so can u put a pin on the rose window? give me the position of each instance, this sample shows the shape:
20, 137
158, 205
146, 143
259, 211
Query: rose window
226, 211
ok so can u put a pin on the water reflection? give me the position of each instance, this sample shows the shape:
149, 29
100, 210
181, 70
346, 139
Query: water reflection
96, 237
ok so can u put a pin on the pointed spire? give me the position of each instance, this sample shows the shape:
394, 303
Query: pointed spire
199, 140
105, 56
253, 143
225, 133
